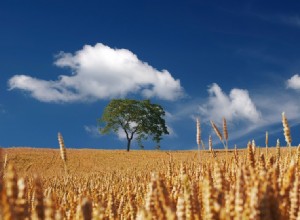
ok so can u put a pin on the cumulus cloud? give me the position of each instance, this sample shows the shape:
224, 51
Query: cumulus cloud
294, 82
235, 106
100, 72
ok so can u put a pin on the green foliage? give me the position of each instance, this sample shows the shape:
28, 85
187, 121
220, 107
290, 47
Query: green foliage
139, 118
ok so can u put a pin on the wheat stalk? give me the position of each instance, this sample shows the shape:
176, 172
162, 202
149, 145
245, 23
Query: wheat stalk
203, 145
286, 131
218, 133
21, 209
225, 132
198, 136
298, 157
236, 155
294, 199
253, 144
210, 143
267, 143
278, 150
63, 151
5, 161
251, 158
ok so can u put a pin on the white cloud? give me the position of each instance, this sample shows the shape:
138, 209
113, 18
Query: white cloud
273, 101
266, 102
235, 106
121, 134
92, 130
294, 82
267, 105
172, 133
100, 72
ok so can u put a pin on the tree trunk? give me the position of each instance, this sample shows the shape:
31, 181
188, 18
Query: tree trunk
129, 139
128, 144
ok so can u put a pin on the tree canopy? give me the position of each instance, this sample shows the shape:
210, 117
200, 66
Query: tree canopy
136, 118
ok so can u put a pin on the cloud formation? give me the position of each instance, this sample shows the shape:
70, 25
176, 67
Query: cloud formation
92, 130
294, 82
100, 72
235, 106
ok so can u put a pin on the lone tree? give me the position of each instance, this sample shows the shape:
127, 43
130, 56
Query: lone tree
140, 118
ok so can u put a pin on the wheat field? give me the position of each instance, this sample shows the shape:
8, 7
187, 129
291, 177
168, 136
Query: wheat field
254, 183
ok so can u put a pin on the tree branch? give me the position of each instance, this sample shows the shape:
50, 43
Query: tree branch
127, 136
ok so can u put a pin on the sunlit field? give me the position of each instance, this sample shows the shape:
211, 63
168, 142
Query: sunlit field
254, 183
149, 110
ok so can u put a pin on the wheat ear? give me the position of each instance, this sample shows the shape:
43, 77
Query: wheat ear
63, 152
251, 158
287, 132
198, 136
278, 150
5, 162
225, 132
210, 143
218, 133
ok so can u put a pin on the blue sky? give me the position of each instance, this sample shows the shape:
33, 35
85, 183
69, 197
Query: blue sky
62, 61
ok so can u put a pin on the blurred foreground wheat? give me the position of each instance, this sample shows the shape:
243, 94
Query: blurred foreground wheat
97, 184
242, 186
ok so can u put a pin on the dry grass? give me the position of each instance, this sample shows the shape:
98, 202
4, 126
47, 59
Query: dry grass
150, 184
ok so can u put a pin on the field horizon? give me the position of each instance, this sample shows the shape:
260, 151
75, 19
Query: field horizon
39, 183
40, 159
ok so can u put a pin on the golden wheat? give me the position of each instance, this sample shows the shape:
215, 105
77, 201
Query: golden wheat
217, 131
198, 135
63, 152
225, 132
286, 131
243, 184
179, 187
